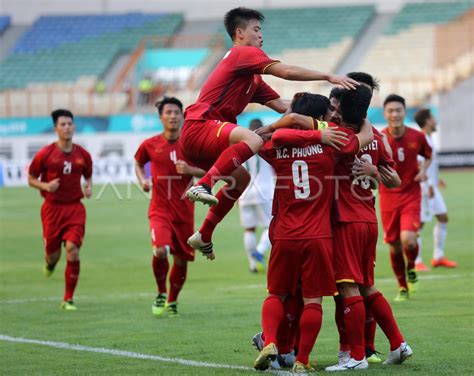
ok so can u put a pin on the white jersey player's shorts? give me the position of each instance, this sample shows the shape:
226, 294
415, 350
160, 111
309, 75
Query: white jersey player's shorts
256, 215
432, 206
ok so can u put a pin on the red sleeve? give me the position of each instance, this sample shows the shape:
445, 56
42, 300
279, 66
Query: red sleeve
283, 137
384, 157
266, 152
264, 93
141, 156
88, 166
36, 166
252, 60
425, 149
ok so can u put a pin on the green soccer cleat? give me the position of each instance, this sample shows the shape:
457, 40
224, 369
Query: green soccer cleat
48, 270
413, 282
68, 305
402, 295
158, 307
372, 356
172, 309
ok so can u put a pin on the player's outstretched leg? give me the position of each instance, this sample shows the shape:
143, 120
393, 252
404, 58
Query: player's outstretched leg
160, 267
71, 276
243, 144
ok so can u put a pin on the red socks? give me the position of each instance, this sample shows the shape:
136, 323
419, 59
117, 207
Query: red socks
228, 161
227, 198
160, 270
177, 278
370, 327
382, 313
341, 328
411, 256
292, 307
354, 321
272, 314
398, 266
310, 324
71, 276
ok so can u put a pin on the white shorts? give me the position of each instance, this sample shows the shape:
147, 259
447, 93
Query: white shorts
256, 215
432, 206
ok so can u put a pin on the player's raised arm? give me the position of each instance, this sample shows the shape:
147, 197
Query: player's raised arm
296, 73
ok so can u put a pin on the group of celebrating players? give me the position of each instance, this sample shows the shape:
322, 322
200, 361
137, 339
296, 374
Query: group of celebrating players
327, 158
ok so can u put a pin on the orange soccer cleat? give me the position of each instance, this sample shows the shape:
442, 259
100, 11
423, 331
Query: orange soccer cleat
443, 262
421, 267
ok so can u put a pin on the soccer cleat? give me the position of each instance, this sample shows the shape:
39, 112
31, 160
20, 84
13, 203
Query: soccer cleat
266, 356
258, 342
444, 262
372, 356
48, 270
421, 267
350, 365
402, 295
413, 281
202, 193
399, 355
259, 261
68, 305
343, 357
195, 241
158, 307
299, 367
172, 309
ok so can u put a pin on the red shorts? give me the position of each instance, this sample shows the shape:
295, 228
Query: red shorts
164, 232
203, 141
404, 218
61, 223
354, 252
306, 263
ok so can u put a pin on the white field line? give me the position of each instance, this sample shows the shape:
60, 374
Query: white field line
121, 353
224, 289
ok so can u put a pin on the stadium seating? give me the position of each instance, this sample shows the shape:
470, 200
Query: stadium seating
58, 49
411, 37
4, 23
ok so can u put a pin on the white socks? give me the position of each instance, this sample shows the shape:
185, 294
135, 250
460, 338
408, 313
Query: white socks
439, 237
264, 243
250, 243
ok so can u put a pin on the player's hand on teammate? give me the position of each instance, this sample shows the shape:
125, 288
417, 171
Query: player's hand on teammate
344, 81
421, 177
387, 174
52, 185
264, 130
331, 136
145, 184
362, 167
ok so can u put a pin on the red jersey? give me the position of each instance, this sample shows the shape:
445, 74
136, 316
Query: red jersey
169, 187
51, 163
354, 199
405, 151
233, 84
304, 188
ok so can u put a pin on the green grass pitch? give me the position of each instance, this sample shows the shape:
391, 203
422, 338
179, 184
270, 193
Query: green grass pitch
219, 306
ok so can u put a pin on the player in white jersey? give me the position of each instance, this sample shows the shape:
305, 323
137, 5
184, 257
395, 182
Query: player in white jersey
432, 202
255, 206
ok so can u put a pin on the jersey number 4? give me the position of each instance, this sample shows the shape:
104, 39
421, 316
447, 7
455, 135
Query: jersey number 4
300, 179
67, 169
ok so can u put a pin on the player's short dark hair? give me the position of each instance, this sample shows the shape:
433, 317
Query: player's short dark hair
336, 93
314, 105
422, 116
239, 17
355, 104
394, 98
255, 124
56, 114
365, 78
168, 100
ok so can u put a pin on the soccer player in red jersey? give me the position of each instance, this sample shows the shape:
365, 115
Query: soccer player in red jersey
56, 170
400, 207
355, 239
171, 215
302, 203
210, 137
